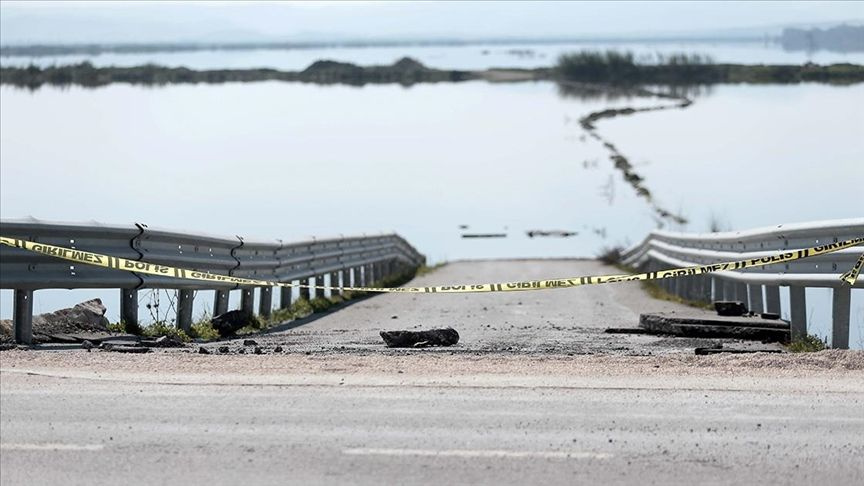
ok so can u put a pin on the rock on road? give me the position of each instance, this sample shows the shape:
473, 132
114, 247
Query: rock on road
534, 393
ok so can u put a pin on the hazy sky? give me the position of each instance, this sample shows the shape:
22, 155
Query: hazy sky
64, 22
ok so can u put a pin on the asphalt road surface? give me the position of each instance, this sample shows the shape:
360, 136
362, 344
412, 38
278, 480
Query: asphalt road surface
533, 394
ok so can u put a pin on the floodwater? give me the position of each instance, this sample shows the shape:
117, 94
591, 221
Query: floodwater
443, 57
285, 160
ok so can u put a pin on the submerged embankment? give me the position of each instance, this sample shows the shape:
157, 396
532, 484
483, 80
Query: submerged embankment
408, 71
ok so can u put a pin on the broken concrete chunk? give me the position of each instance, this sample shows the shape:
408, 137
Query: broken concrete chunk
162, 342
707, 351
730, 308
409, 339
702, 326
123, 349
229, 323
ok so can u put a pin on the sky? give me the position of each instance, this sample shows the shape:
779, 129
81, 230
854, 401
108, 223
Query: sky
124, 22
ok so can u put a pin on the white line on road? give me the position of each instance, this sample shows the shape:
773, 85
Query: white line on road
487, 453
51, 447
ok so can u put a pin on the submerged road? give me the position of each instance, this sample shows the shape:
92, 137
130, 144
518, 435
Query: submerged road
534, 393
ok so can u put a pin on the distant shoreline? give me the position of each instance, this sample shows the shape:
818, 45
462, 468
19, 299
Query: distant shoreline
408, 71
95, 49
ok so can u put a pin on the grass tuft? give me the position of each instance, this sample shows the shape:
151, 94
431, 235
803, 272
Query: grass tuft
161, 328
807, 344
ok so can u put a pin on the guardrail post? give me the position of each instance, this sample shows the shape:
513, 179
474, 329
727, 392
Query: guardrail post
666, 284
247, 300
319, 286
265, 301
728, 290
840, 303
755, 301
220, 302
360, 276
305, 292
285, 297
22, 316
334, 284
772, 299
185, 299
798, 311
705, 288
346, 278
741, 292
369, 274
129, 306
694, 287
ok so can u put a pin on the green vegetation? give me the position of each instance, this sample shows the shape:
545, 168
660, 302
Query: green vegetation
612, 256
161, 328
807, 344
124, 327
405, 71
203, 329
621, 68
608, 67
656, 291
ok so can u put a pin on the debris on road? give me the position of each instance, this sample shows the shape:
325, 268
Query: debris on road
162, 342
203, 350
123, 349
420, 339
707, 351
730, 308
229, 323
84, 317
626, 330
742, 327
250, 342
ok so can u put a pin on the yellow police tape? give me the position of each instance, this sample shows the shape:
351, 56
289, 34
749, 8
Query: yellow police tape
124, 264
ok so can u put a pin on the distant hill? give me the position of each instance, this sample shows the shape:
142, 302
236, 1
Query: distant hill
842, 38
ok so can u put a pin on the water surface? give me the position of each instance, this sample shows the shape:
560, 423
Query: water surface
284, 160
443, 57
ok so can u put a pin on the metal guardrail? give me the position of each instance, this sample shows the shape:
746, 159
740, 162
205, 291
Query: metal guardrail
332, 262
759, 287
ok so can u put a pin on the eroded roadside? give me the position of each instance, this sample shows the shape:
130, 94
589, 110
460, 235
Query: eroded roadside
545, 338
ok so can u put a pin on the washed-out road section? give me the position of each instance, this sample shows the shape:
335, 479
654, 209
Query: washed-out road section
534, 393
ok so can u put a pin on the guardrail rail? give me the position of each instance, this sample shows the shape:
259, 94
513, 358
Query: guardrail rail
329, 262
759, 287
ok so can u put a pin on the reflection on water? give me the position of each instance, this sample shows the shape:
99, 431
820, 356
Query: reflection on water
588, 91
283, 160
